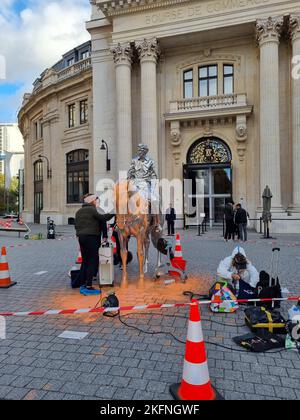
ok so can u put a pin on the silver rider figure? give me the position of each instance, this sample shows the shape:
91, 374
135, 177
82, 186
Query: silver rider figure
144, 179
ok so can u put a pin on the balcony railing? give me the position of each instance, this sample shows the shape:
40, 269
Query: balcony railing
51, 77
75, 69
208, 103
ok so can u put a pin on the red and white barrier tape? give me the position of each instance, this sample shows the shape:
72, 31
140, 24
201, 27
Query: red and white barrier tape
135, 308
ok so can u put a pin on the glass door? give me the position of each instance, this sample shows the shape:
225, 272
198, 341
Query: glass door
207, 190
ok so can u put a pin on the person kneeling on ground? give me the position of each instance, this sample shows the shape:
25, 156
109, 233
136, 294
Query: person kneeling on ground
241, 273
88, 225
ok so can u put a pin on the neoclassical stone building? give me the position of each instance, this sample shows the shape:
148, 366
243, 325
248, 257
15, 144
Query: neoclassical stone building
206, 84
56, 120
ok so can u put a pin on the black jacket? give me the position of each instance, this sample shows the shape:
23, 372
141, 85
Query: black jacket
89, 222
171, 217
241, 216
228, 212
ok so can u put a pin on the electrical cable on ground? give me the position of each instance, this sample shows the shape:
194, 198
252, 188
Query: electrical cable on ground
184, 342
186, 318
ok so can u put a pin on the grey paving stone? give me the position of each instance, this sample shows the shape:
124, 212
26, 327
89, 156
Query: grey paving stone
225, 385
4, 390
242, 367
138, 384
233, 396
152, 374
286, 393
7, 379
290, 383
77, 388
157, 387
105, 392
120, 381
34, 394
54, 396
266, 390
135, 372
16, 394
53, 385
143, 395
38, 383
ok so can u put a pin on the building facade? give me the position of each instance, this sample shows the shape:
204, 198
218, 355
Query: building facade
11, 151
207, 85
56, 120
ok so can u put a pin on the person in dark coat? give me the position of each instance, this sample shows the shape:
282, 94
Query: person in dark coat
241, 220
88, 225
171, 218
229, 222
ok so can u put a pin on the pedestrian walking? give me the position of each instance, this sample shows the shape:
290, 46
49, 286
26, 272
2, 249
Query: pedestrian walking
88, 225
241, 220
171, 218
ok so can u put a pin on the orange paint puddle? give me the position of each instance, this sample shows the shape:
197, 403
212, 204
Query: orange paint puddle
150, 292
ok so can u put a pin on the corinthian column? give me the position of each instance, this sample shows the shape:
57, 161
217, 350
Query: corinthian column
268, 36
149, 51
295, 38
123, 59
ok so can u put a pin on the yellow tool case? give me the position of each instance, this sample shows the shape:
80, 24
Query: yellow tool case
258, 319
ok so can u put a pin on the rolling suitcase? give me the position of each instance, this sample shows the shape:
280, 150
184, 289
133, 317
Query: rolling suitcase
106, 265
269, 286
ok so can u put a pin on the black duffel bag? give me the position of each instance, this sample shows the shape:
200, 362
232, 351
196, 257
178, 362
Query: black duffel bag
262, 319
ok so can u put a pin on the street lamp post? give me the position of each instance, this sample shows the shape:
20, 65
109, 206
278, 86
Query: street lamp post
104, 146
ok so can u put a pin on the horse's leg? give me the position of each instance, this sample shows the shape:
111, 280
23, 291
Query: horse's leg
146, 248
124, 254
140, 252
158, 259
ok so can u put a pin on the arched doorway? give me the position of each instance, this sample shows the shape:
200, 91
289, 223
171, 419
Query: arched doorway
208, 180
38, 190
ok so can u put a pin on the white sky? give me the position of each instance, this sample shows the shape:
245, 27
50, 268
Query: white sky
33, 36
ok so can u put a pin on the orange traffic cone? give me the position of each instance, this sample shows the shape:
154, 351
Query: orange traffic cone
178, 262
196, 384
5, 281
79, 258
178, 249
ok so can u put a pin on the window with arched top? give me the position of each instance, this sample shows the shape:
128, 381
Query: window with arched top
77, 175
210, 150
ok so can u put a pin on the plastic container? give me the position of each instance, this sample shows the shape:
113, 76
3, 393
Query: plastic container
294, 313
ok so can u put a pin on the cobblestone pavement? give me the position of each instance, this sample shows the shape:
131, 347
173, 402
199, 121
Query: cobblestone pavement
116, 362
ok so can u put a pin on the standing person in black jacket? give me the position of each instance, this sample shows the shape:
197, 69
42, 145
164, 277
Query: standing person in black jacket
229, 222
88, 225
170, 218
241, 220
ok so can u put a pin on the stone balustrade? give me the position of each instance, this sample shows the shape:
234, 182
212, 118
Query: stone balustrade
208, 102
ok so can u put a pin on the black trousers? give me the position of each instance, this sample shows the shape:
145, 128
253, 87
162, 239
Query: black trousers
89, 245
230, 228
171, 227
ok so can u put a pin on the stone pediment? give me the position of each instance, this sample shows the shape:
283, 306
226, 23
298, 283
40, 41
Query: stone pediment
120, 7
